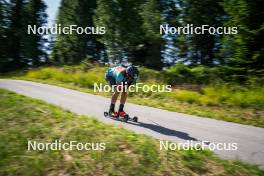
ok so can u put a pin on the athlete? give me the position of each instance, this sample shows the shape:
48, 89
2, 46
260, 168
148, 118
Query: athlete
119, 77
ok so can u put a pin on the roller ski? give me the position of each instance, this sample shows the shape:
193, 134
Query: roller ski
121, 116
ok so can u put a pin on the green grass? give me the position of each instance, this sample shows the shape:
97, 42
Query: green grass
68, 75
127, 153
219, 101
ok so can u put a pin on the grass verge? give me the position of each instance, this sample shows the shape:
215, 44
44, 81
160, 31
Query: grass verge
127, 153
229, 103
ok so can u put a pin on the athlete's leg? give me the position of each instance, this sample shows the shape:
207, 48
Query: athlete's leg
123, 98
122, 101
115, 95
113, 102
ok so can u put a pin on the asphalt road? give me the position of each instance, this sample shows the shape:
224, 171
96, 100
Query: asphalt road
161, 124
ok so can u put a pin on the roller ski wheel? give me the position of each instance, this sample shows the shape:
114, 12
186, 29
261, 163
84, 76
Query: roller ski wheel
121, 116
113, 115
106, 114
135, 119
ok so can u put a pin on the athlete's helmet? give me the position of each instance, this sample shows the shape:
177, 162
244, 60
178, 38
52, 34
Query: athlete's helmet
132, 71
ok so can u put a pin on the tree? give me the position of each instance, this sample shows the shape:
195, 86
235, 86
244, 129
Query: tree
171, 13
18, 49
202, 48
3, 37
15, 34
246, 49
123, 22
72, 49
132, 30
151, 12
34, 44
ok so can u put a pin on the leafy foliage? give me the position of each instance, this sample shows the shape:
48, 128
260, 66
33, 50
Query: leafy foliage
132, 34
18, 49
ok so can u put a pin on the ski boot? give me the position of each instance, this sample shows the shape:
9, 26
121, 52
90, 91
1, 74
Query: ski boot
123, 116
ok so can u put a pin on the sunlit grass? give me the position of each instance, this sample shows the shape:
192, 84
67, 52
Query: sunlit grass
127, 153
229, 102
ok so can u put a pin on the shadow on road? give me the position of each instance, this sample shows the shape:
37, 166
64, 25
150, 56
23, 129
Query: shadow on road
166, 131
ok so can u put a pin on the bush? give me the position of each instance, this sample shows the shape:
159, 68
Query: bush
232, 94
179, 73
249, 97
187, 96
70, 74
149, 75
204, 75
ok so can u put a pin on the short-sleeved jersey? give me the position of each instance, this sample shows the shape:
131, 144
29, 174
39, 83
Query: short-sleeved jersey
119, 75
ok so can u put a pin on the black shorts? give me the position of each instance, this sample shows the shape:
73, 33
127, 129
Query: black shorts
111, 80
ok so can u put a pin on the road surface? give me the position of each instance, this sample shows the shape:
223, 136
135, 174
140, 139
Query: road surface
161, 124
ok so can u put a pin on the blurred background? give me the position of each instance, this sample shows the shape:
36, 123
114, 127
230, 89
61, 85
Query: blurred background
209, 73
213, 76
133, 33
